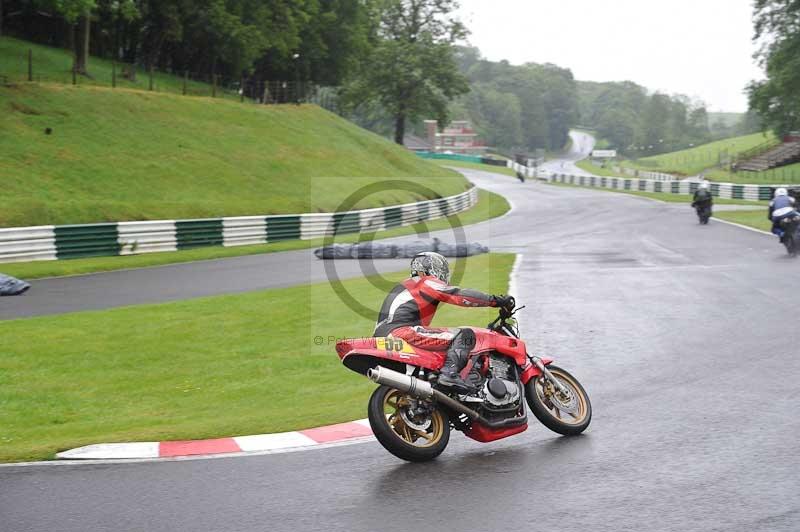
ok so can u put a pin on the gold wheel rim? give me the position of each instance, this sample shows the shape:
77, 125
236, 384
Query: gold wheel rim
393, 402
546, 391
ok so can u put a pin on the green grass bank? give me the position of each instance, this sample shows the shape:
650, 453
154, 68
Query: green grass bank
118, 155
694, 160
202, 368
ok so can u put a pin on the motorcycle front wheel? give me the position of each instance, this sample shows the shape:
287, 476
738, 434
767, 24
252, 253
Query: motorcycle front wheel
565, 413
408, 434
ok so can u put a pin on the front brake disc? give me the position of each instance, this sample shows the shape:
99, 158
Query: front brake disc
568, 404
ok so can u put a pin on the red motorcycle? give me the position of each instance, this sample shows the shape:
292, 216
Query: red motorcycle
412, 419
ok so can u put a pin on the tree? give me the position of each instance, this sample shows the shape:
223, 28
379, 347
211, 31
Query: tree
411, 70
653, 122
777, 99
81, 12
73, 11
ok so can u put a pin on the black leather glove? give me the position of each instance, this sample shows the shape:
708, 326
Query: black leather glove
504, 302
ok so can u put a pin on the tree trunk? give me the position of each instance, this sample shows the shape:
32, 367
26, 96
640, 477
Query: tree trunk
399, 127
1, 17
81, 64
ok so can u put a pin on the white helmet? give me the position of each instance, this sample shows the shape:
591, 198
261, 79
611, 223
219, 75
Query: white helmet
704, 184
430, 263
781, 192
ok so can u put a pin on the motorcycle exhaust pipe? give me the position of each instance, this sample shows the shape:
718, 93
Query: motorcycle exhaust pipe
404, 383
418, 388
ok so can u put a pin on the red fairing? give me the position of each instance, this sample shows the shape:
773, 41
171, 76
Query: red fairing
486, 340
402, 352
530, 371
484, 434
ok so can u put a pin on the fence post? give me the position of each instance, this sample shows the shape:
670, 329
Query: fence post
30, 64
241, 90
185, 77
74, 75
150, 73
113, 74
213, 85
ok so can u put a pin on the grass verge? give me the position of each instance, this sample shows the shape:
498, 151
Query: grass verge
663, 196
490, 205
784, 175
201, 368
596, 170
755, 219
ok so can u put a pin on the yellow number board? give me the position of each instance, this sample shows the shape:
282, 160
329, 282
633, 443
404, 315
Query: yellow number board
393, 344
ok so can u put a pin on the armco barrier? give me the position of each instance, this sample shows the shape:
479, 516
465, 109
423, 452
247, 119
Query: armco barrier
721, 190
129, 238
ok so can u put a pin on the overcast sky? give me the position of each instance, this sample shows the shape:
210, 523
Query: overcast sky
701, 48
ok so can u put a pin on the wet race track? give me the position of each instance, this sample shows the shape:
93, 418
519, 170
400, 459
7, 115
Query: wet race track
683, 335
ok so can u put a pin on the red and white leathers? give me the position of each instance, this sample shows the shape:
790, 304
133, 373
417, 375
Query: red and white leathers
409, 309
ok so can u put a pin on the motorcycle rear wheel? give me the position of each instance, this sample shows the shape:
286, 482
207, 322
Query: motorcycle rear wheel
791, 245
543, 400
390, 424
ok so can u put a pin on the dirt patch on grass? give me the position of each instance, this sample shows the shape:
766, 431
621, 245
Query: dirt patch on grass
22, 108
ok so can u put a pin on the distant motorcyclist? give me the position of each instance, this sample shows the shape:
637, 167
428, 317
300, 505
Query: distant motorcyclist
781, 206
408, 310
703, 201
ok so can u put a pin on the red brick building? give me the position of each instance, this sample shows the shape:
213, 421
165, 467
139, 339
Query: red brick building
457, 137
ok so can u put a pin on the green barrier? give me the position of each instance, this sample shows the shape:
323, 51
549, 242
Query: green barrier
444, 207
451, 157
93, 240
345, 222
423, 211
393, 217
283, 228
197, 233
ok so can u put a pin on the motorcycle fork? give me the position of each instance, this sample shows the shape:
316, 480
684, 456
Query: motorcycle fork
547, 375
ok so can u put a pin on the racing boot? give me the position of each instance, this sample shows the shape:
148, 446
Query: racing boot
457, 354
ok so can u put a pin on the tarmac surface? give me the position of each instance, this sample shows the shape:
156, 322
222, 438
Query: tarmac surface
683, 335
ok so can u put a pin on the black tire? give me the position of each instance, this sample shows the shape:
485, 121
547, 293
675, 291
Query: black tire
791, 245
393, 442
550, 416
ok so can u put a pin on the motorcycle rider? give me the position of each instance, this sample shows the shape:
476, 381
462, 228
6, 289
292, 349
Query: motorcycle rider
703, 199
781, 206
408, 310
